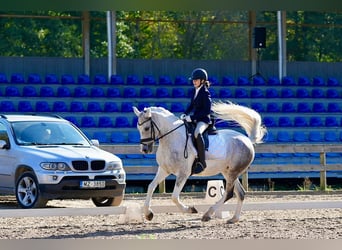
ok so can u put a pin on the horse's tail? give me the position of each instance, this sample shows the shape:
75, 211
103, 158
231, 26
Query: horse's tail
247, 118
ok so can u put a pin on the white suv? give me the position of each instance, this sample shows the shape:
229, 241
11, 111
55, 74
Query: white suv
46, 157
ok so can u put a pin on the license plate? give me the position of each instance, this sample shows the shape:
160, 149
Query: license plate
93, 184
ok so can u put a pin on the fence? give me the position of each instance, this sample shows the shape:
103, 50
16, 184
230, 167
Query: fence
322, 167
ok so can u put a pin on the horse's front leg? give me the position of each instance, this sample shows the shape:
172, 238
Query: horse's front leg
160, 176
180, 182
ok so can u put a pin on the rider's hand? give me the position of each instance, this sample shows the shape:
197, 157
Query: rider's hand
188, 118
182, 117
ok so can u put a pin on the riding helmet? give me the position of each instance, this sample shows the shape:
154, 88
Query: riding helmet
199, 73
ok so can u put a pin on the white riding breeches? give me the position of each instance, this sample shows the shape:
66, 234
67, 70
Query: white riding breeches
200, 127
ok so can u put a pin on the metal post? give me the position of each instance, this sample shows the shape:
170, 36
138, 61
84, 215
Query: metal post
111, 33
245, 180
323, 172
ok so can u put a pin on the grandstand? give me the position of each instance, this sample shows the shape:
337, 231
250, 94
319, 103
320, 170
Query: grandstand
295, 110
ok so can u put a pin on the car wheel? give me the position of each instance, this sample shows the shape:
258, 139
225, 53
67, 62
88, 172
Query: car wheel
27, 192
105, 202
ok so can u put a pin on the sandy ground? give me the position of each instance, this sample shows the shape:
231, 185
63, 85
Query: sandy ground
266, 224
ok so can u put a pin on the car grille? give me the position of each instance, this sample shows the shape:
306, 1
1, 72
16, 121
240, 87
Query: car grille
84, 165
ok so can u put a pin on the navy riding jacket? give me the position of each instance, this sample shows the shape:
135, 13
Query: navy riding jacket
200, 106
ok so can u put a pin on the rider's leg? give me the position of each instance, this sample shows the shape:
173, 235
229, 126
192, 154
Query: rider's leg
200, 164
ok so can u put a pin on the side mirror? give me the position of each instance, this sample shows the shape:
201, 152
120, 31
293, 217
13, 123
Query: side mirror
3, 145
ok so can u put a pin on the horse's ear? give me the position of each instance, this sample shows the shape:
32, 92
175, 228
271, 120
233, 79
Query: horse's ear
136, 111
148, 112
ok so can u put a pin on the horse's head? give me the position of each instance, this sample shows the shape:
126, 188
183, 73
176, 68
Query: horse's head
146, 128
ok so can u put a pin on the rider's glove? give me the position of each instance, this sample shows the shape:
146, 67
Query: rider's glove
182, 117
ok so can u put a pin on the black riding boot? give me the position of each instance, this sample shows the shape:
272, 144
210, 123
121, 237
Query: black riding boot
200, 163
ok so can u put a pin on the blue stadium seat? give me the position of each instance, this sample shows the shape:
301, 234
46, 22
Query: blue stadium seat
300, 121
118, 137
113, 92
117, 80
7, 106
46, 91
331, 136
269, 121
165, 80
88, 122
318, 81
331, 121
72, 119
25, 106
134, 122
213, 93
178, 92
227, 81
100, 79
288, 81
162, 92
318, 107
303, 107
76, 106
270, 137
241, 93
273, 81
272, 93
142, 105
17, 78
303, 81
149, 80
59, 106
80, 91
12, 91
129, 92
63, 91
334, 107
257, 93
132, 80
259, 81
29, 91
97, 92
284, 136
42, 106
258, 106
315, 136
225, 93
287, 93
302, 93
110, 107
284, 121
67, 79
162, 104
177, 107
51, 79
83, 79
288, 107
317, 93
333, 82
3, 78
100, 136
213, 80
333, 93
94, 107
181, 80
127, 107
105, 122
316, 121
300, 136
34, 78
133, 136
146, 92
273, 107
122, 122
243, 81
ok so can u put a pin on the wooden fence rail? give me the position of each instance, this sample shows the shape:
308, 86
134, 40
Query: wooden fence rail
322, 167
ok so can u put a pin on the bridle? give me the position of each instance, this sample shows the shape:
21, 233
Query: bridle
153, 137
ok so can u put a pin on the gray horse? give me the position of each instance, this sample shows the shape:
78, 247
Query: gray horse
230, 152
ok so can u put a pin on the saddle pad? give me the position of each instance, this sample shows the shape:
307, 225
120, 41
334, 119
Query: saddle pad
217, 148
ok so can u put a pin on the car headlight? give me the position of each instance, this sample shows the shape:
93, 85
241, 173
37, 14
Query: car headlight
114, 165
61, 166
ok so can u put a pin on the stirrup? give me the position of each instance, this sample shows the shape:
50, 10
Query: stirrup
198, 167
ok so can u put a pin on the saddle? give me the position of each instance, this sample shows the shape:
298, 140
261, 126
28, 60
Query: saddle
211, 130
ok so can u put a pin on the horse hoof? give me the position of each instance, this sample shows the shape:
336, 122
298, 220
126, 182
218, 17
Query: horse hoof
232, 221
206, 218
193, 210
149, 217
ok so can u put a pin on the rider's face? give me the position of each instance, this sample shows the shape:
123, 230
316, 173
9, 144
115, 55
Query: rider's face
196, 83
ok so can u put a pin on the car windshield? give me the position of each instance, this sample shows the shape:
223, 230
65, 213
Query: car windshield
47, 133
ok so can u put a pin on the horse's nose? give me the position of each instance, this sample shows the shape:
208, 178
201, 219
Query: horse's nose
144, 148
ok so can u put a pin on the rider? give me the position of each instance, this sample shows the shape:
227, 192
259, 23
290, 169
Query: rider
200, 108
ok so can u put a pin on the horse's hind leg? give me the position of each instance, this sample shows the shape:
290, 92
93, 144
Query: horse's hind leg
240, 195
160, 176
